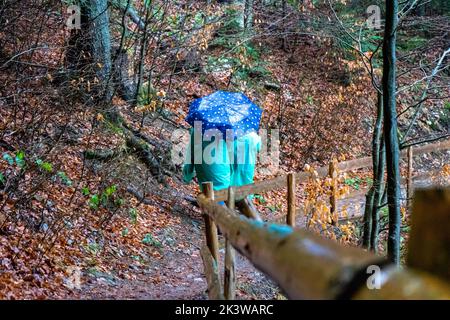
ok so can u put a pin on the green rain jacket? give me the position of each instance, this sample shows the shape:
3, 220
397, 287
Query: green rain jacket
245, 152
234, 163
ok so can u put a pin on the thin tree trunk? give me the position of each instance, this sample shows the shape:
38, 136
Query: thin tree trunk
142, 53
370, 206
390, 129
377, 199
130, 11
284, 6
125, 83
367, 228
420, 9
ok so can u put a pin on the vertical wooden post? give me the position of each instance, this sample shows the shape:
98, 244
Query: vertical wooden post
409, 184
290, 219
212, 239
246, 207
212, 274
429, 241
332, 172
230, 272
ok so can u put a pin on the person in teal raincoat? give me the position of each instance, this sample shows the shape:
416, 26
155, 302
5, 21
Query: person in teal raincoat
245, 151
234, 164
235, 157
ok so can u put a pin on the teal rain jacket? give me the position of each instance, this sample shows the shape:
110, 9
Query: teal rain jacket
245, 152
235, 168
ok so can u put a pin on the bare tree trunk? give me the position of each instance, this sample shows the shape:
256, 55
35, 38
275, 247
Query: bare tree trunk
284, 6
377, 199
142, 54
101, 45
248, 16
371, 203
420, 9
90, 48
390, 129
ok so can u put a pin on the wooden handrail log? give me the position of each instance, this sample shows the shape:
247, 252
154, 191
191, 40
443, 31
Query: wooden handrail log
366, 162
430, 147
307, 266
261, 186
403, 284
355, 164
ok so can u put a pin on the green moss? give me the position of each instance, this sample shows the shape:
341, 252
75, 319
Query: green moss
146, 94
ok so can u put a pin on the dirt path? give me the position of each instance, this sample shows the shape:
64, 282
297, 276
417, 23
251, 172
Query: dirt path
177, 275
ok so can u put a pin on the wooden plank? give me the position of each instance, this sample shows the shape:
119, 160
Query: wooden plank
212, 274
429, 241
290, 219
246, 207
356, 164
258, 187
437, 146
212, 239
230, 271
366, 162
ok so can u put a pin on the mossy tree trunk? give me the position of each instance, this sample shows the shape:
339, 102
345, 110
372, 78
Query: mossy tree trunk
92, 47
89, 52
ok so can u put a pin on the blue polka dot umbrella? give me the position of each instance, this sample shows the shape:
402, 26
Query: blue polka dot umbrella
225, 111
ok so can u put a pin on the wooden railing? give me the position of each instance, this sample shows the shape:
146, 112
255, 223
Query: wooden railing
302, 177
306, 265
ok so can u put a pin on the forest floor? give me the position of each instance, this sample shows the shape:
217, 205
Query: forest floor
178, 274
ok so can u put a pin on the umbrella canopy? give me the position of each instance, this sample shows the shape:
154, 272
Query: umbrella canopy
224, 111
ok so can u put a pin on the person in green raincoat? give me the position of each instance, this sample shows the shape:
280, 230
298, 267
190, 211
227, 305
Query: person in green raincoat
244, 154
224, 163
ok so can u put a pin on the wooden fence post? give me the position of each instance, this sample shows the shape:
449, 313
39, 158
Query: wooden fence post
307, 266
229, 273
246, 207
409, 182
429, 241
332, 172
212, 274
290, 219
212, 239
